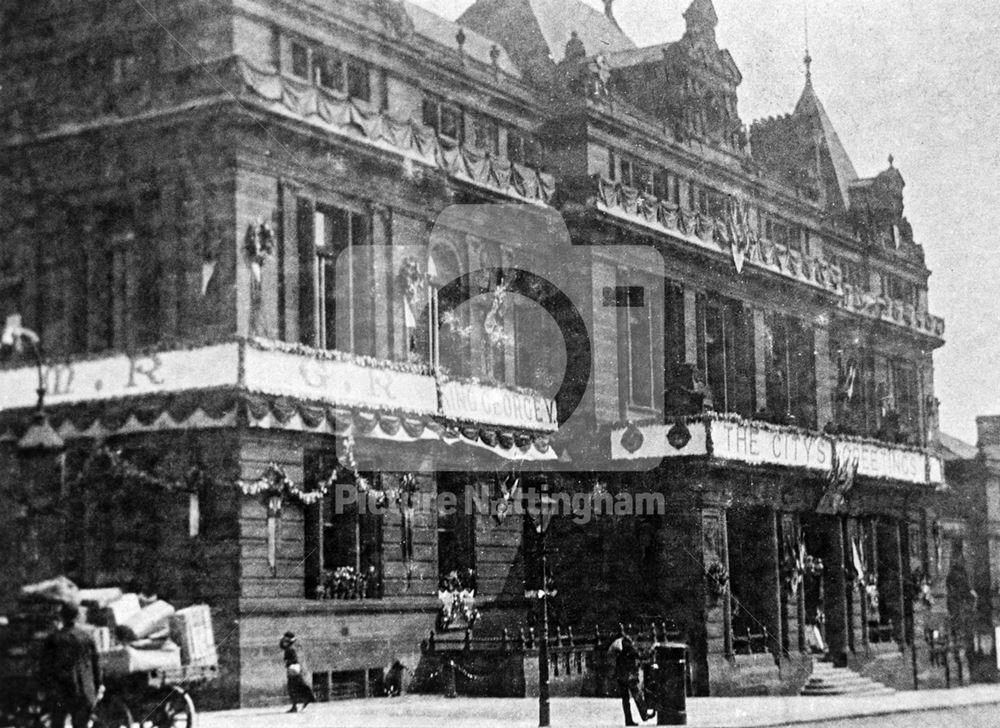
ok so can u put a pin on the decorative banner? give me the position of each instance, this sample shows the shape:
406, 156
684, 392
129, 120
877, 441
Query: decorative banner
122, 376
655, 441
338, 382
935, 471
755, 443
890, 463
496, 405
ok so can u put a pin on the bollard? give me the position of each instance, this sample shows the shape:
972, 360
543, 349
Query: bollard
671, 700
450, 689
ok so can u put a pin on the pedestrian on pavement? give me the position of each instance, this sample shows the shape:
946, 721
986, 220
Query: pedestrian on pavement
627, 677
70, 671
298, 690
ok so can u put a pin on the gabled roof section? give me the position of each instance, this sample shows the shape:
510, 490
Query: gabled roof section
550, 20
558, 18
444, 32
636, 56
951, 448
811, 108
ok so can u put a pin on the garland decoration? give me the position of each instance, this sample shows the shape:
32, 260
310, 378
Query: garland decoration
275, 486
717, 577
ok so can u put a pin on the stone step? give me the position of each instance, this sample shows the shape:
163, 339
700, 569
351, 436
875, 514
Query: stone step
829, 680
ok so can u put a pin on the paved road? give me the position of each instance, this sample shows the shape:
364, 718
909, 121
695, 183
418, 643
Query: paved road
972, 706
975, 716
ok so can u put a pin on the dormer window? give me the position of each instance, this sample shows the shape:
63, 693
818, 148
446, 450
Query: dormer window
486, 134
332, 71
300, 60
328, 72
523, 149
444, 118
358, 81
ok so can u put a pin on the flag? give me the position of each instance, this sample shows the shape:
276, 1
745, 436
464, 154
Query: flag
850, 379
207, 274
15, 334
859, 564
408, 317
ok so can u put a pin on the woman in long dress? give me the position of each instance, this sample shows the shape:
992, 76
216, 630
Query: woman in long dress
298, 690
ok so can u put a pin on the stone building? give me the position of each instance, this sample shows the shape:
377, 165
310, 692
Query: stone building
234, 231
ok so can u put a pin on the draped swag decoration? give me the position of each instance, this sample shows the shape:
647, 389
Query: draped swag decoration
704, 230
220, 406
361, 423
346, 116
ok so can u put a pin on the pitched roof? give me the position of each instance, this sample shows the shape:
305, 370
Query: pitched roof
951, 448
442, 31
809, 105
635, 56
555, 20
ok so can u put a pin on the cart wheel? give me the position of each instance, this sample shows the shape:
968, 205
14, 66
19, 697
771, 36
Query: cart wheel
176, 710
112, 713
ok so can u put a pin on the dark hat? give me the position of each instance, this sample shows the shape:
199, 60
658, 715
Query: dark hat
69, 612
288, 637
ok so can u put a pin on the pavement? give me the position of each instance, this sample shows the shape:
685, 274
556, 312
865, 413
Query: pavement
427, 711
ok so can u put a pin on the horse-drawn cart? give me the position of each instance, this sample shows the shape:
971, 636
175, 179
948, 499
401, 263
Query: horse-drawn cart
153, 699
140, 688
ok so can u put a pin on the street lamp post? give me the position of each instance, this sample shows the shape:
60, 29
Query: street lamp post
540, 512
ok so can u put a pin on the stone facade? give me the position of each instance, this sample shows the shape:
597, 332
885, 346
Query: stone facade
766, 369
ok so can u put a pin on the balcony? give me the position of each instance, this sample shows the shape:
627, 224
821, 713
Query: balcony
722, 439
274, 385
712, 234
891, 311
405, 137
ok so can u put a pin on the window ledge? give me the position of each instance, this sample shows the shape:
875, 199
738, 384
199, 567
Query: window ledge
415, 603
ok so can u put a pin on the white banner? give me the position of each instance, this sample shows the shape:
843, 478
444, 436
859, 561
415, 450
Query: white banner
338, 382
935, 470
656, 441
122, 376
760, 445
878, 461
499, 406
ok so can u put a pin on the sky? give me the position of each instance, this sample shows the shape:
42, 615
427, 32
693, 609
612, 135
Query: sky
919, 80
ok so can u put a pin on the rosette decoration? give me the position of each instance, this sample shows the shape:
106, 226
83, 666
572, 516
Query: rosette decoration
259, 244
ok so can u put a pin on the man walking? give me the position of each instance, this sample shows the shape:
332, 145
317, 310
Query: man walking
70, 668
627, 677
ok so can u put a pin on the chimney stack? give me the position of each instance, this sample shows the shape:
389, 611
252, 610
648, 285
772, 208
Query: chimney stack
988, 430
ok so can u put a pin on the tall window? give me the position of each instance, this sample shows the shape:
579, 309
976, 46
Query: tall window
906, 395
673, 326
456, 525
725, 353
338, 270
343, 543
791, 370
640, 371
